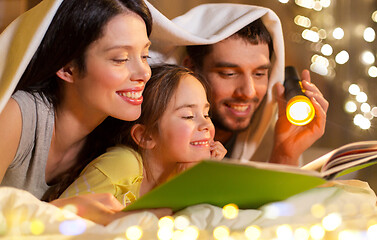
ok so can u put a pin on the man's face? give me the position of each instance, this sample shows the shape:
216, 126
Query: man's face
238, 74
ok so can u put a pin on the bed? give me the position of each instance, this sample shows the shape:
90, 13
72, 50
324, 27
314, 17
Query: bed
339, 210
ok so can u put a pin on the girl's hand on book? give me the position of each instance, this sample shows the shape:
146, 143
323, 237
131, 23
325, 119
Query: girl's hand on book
102, 208
98, 207
218, 151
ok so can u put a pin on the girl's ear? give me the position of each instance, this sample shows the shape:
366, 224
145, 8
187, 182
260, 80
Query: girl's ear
66, 73
187, 62
137, 134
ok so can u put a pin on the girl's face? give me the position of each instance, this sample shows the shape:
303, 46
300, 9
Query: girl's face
185, 129
116, 70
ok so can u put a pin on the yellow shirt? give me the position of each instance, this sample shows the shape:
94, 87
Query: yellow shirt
119, 171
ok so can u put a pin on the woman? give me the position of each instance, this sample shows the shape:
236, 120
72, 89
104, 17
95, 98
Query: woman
91, 64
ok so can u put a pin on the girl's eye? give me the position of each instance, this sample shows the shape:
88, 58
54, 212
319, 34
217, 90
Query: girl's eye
188, 117
207, 116
145, 57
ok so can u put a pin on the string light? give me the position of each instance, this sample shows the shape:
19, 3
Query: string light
230, 211
134, 233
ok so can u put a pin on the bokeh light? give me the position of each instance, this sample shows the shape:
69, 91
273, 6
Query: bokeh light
134, 233
230, 211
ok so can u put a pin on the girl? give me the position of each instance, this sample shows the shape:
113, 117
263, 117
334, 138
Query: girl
173, 132
91, 64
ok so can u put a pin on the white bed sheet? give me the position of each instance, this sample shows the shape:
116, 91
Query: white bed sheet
352, 200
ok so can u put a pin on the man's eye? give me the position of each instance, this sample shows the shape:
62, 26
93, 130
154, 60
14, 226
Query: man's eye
227, 74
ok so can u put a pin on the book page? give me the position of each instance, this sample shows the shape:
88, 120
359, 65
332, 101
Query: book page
352, 150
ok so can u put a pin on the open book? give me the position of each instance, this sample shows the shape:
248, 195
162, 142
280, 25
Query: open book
253, 184
345, 159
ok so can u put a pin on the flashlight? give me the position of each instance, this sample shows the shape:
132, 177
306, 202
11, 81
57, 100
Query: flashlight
300, 110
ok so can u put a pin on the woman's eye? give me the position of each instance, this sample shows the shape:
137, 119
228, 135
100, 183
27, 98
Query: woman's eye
120, 61
188, 117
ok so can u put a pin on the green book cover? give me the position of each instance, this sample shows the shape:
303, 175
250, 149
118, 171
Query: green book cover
219, 183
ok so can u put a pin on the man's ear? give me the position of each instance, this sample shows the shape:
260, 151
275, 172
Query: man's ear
66, 73
187, 62
137, 134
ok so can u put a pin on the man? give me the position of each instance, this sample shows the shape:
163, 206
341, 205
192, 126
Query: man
240, 50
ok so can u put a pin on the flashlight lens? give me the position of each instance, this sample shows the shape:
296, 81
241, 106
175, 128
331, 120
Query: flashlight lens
300, 110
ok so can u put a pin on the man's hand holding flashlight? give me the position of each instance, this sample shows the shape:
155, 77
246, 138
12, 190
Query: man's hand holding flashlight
290, 141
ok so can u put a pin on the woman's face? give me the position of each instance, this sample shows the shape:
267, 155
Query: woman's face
185, 129
116, 70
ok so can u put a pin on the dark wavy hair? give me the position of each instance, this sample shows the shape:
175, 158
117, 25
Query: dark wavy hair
76, 24
156, 96
254, 33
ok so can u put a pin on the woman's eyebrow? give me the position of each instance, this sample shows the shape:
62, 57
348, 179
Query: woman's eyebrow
126, 47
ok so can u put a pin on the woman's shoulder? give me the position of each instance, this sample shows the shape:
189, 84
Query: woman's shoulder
30, 100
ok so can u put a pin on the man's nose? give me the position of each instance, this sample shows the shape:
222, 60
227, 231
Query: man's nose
246, 87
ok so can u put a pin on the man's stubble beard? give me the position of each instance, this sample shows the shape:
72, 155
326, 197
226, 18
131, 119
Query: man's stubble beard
220, 123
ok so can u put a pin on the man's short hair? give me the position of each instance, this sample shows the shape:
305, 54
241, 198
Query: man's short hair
254, 33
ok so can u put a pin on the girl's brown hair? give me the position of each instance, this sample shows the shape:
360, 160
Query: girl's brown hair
156, 97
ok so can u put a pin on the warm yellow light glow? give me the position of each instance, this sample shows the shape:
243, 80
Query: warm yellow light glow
372, 232
253, 232
369, 34
374, 16
368, 115
284, 232
177, 235
372, 71
350, 107
301, 234
367, 57
300, 110
305, 3
320, 60
325, 3
361, 97
342, 57
354, 89
190, 233
317, 232
221, 233
271, 211
302, 21
338, 33
365, 107
230, 211
310, 35
318, 210
165, 233
322, 33
331, 221
166, 222
71, 208
319, 69
134, 233
361, 121
181, 222
374, 111
37, 227
326, 50
317, 6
